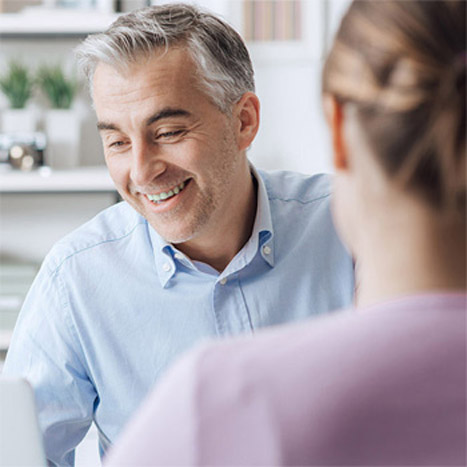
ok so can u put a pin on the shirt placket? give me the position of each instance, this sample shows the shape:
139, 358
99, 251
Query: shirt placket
229, 307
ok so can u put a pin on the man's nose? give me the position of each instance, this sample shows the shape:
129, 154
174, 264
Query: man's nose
146, 164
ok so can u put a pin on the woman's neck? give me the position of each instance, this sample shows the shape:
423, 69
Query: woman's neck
408, 254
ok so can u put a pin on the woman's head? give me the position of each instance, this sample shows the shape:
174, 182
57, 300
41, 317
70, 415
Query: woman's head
401, 67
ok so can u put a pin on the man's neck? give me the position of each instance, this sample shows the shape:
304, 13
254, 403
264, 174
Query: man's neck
230, 236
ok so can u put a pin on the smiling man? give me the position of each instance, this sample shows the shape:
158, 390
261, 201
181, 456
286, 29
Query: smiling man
203, 244
177, 158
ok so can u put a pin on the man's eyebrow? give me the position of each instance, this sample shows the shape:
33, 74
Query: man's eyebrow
164, 113
167, 113
107, 126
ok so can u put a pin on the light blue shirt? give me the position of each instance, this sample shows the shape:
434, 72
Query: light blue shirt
114, 304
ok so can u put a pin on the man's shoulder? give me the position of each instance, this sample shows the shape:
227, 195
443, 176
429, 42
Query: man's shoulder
108, 227
287, 186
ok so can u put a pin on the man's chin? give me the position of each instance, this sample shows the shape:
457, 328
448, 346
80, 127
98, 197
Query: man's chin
161, 224
174, 237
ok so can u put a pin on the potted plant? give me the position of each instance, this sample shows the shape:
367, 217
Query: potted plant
17, 85
62, 123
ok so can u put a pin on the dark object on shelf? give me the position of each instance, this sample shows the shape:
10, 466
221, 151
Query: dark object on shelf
24, 151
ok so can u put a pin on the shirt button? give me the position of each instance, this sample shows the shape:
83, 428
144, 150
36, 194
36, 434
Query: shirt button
266, 250
166, 267
179, 256
223, 281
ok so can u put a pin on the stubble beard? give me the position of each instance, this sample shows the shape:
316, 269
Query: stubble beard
192, 222
208, 202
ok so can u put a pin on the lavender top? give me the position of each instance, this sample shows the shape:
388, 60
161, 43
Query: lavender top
385, 385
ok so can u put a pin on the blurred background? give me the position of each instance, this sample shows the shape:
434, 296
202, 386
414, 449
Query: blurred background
52, 173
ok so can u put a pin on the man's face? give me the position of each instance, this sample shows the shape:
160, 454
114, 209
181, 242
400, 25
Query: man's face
172, 154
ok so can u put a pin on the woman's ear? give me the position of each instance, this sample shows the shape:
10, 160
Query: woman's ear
246, 111
335, 118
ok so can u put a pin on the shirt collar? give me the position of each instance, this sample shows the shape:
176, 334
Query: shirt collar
163, 256
263, 231
166, 255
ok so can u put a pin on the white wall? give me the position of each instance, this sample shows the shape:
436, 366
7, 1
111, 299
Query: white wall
292, 135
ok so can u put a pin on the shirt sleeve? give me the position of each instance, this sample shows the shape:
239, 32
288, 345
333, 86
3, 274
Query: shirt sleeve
45, 351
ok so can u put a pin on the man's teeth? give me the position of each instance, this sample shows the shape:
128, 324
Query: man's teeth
166, 195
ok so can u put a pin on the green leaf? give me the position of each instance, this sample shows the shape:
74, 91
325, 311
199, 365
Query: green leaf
17, 85
59, 90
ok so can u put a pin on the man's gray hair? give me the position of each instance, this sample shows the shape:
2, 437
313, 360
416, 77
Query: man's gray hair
219, 53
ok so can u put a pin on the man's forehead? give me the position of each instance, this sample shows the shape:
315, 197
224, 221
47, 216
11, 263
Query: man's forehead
105, 70
168, 77
159, 61
151, 84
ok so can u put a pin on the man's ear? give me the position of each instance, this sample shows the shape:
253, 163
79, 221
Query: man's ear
335, 118
246, 112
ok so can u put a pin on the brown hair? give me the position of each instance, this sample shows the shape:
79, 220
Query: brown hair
403, 64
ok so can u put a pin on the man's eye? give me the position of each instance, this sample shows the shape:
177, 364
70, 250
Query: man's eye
170, 134
116, 144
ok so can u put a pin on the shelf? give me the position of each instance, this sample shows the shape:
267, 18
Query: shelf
39, 22
45, 180
47, 22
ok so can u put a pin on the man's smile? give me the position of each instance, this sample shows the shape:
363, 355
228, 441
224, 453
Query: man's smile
162, 196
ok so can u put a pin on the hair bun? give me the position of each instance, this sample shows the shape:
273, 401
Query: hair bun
403, 65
